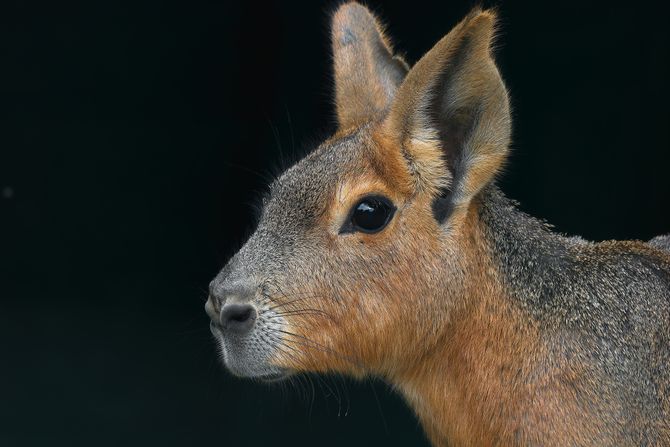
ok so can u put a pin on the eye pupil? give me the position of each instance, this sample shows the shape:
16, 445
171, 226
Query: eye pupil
371, 214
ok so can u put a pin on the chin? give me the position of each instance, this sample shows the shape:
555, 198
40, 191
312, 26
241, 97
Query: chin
249, 358
251, 370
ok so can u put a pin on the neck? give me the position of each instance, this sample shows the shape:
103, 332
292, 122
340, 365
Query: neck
476, 388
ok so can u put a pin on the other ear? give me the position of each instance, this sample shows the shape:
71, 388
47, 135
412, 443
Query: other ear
367, 74
451, 114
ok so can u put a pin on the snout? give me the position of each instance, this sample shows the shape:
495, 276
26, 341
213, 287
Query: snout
244, 329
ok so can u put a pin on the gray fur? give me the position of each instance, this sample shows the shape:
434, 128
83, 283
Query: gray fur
662, 242
604, 306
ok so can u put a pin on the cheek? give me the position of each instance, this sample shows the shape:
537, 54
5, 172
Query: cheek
332, 325
360, 301
316, 316
367, 306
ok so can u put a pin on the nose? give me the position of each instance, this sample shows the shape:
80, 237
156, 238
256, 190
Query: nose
238, 318
229, 304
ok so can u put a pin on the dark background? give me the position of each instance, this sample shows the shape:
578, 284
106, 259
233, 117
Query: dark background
134, 136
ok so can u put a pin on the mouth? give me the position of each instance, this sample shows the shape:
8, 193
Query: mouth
246, 357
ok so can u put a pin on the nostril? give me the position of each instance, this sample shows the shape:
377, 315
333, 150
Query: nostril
241, 316
238, 318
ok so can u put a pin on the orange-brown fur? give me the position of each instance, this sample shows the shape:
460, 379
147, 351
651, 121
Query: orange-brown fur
425, 304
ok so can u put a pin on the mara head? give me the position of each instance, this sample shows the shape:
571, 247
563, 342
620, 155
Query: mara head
361, 253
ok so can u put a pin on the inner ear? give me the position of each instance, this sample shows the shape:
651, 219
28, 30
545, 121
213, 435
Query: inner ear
453, 129
453, 114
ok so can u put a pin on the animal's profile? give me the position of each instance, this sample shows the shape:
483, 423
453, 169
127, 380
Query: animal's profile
389, 251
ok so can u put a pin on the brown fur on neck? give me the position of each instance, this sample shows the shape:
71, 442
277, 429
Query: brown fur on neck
490, 381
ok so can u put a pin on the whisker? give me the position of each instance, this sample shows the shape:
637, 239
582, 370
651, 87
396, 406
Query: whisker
287, 303
304, 312
317, 346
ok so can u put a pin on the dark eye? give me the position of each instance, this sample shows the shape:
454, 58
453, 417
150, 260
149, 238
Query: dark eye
370, 215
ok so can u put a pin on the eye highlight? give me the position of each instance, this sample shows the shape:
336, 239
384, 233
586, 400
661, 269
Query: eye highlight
370, 215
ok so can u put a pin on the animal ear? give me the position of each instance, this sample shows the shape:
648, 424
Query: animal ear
367, 74
450, 116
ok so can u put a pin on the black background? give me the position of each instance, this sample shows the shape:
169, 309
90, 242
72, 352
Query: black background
135, 136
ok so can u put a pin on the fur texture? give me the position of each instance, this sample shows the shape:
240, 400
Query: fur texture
496, 330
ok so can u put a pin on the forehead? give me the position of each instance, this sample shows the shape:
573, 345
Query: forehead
306, 187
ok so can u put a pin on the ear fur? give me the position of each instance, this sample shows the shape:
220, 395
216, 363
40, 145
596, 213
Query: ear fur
451, 114
367, 74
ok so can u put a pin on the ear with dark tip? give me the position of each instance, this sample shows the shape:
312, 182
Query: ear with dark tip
450, 116
367, 74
